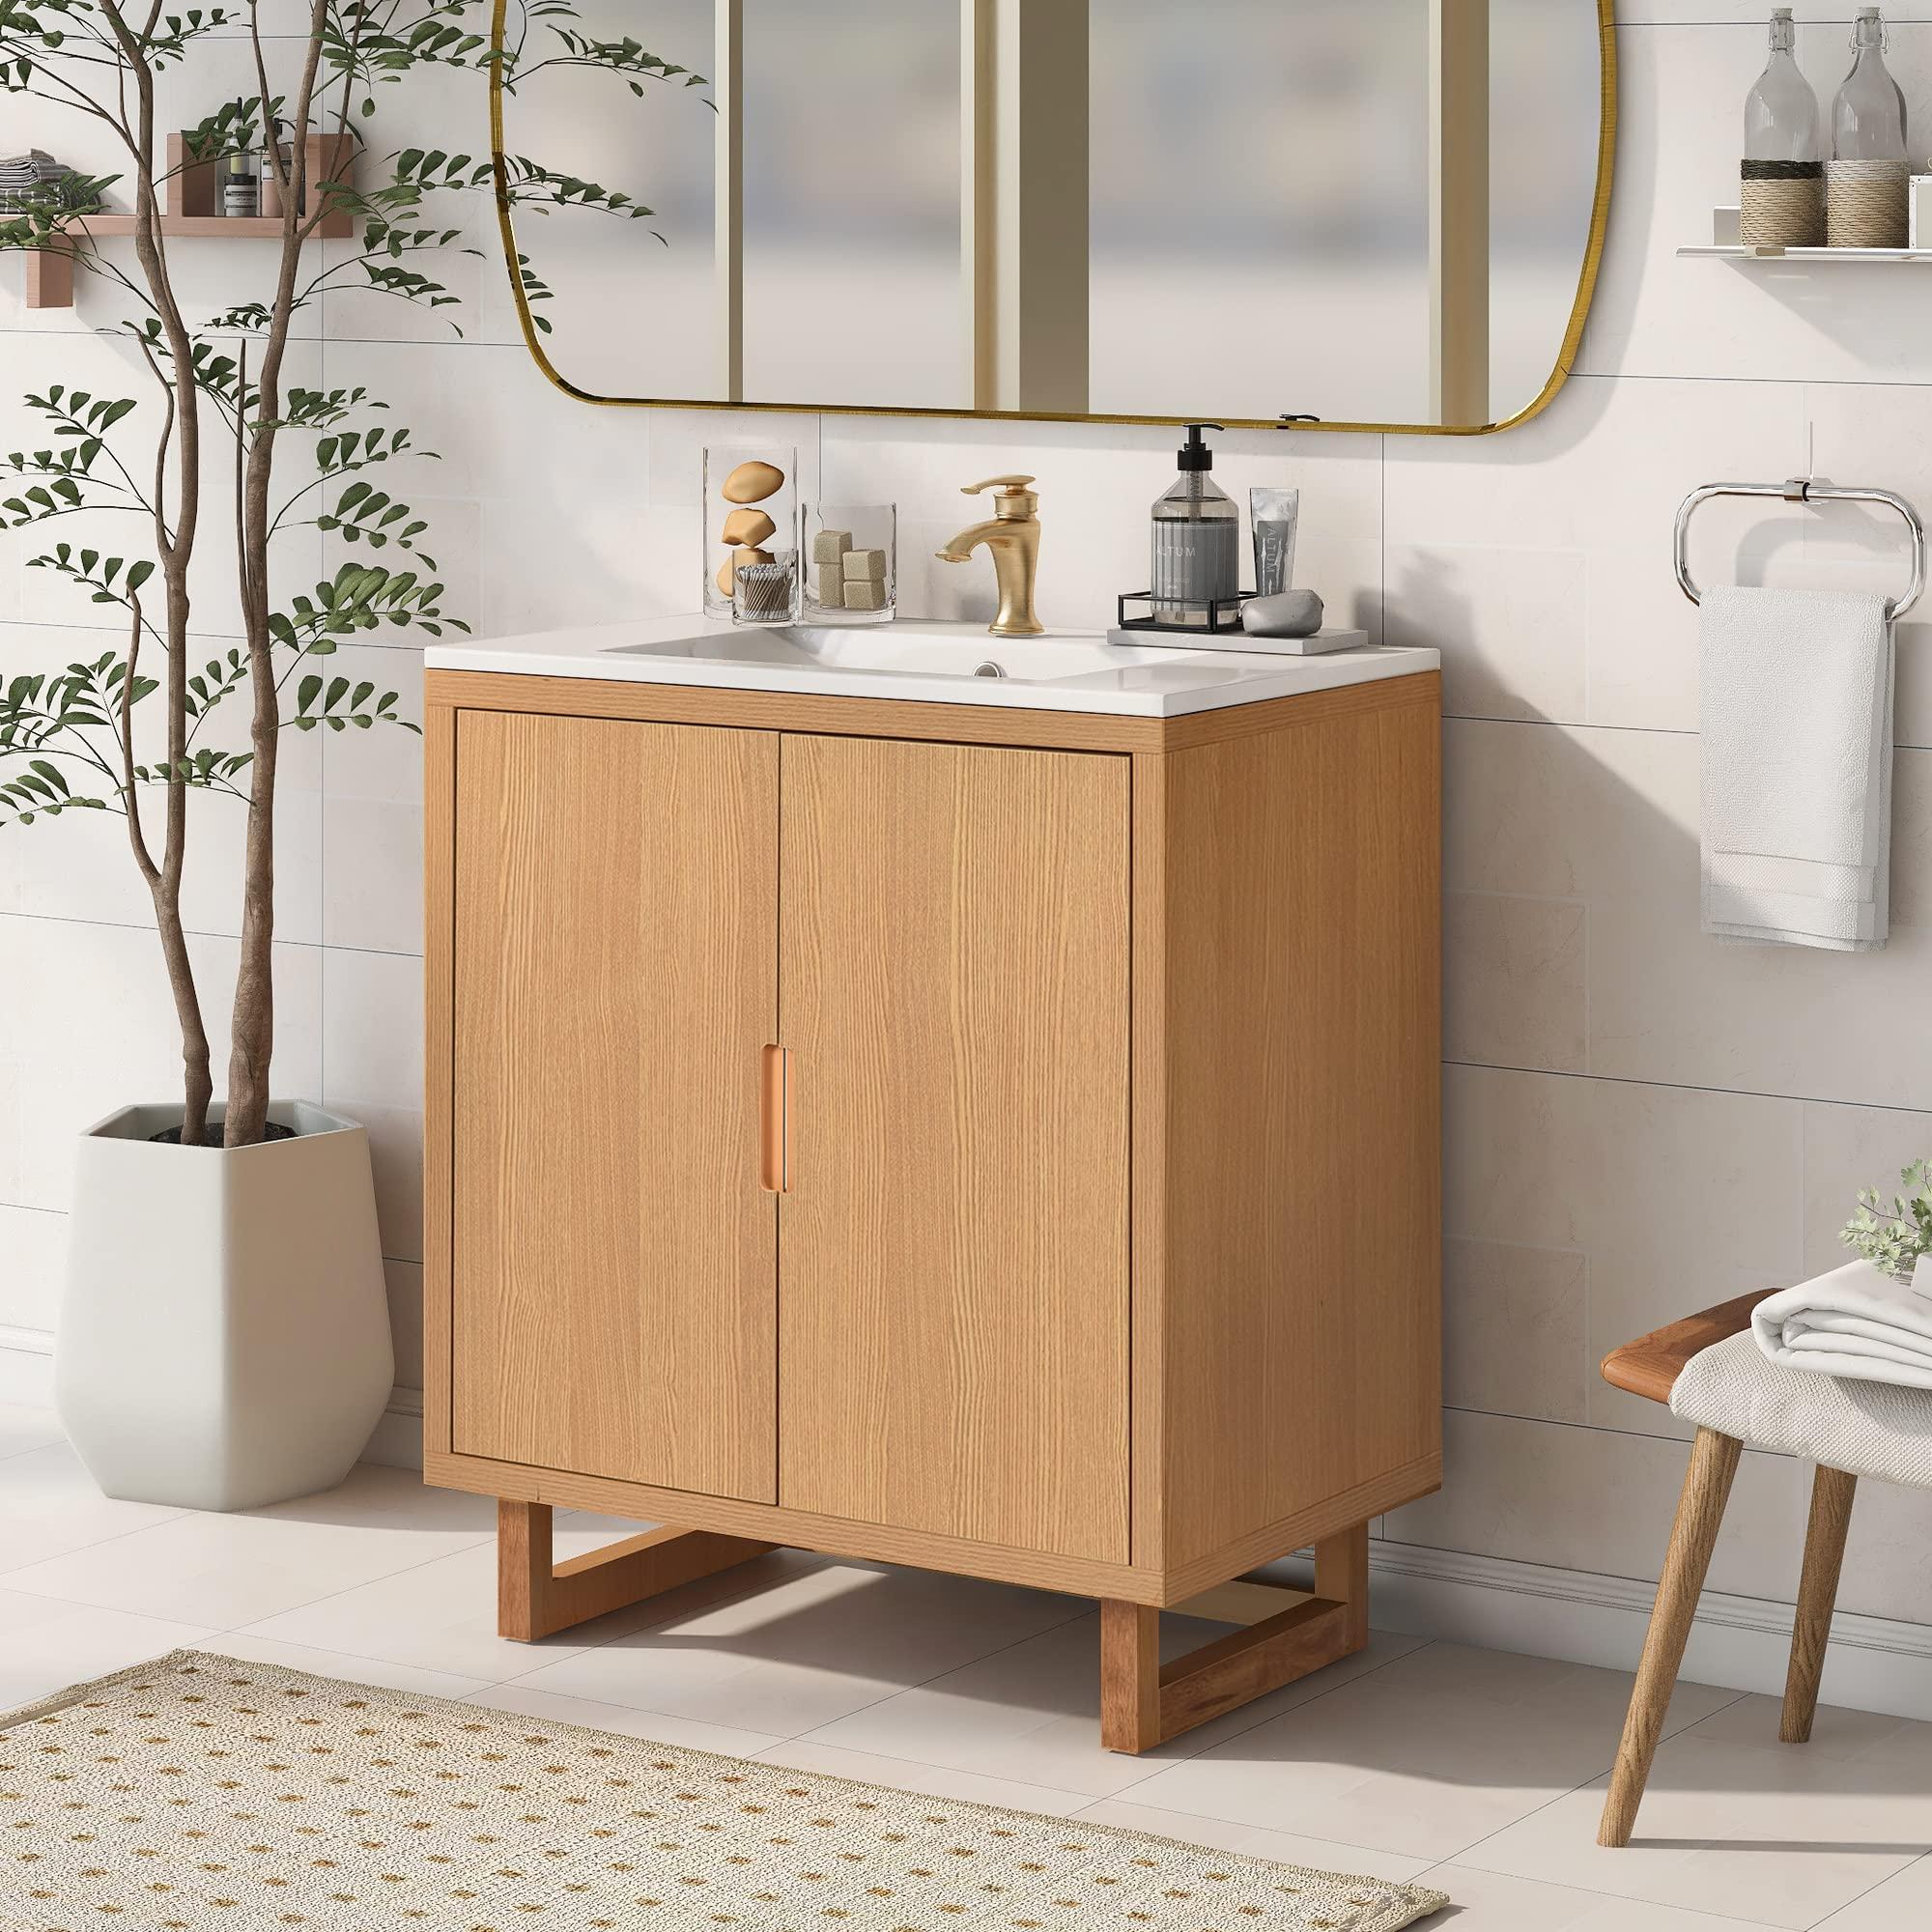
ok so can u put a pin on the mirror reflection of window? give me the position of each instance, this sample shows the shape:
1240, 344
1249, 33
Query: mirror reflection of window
626, 305
1259, 184
1543, 180
851, 233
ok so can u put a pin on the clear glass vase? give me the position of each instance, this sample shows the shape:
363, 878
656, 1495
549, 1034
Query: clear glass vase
750, 515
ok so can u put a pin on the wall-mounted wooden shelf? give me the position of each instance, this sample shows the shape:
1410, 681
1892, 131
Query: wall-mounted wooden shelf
190, 211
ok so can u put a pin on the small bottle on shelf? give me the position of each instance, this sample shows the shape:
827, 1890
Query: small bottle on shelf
1868, 114
1781, 182
1866, 180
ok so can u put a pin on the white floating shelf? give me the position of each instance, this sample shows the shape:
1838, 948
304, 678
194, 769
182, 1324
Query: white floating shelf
1724, 243
1736, 251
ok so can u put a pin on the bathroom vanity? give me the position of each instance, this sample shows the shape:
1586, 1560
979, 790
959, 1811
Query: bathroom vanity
958, 1101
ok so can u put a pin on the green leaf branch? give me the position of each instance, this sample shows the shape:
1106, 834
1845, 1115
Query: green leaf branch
218, 423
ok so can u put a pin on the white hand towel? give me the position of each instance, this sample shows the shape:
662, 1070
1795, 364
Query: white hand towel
1796, 715
1855, 1321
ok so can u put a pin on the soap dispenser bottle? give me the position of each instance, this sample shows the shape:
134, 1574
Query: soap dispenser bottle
1197, 540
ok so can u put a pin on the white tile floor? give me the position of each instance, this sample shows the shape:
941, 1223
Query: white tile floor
1479, 1771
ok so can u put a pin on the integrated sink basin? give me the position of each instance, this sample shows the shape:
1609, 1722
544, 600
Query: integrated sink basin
929, 662
918, 650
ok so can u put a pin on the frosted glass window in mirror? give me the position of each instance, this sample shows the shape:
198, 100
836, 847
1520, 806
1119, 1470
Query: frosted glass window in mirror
626, 294
1543, 177
851, 234
1259, 186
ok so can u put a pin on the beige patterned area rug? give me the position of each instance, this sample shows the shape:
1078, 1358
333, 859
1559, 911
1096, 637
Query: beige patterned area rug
200, 1791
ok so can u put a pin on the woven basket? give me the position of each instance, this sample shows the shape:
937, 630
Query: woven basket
1865, 204
1782, 204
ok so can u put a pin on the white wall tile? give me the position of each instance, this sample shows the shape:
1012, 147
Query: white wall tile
1678, 1198
1847, 1149
1513, 981
1513, 1322
406, 1320
91, 1026
372, 1009
33, 1243
1609, 817
372, 811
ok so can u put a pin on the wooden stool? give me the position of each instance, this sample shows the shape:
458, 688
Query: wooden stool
1649, 1367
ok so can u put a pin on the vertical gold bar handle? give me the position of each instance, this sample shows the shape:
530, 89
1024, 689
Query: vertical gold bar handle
774, 1122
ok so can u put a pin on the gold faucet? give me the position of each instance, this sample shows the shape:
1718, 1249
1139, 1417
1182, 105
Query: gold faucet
1012, 534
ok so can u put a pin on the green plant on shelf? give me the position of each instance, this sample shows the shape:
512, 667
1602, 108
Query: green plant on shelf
218, 415
1892, 1236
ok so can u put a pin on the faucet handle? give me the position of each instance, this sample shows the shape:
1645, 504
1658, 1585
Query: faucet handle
1003, 484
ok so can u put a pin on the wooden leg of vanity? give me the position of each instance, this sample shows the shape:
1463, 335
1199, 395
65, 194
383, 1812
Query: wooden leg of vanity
535, 1596
1145, 1702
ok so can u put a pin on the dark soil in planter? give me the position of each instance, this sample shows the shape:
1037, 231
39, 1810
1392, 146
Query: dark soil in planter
172, 1135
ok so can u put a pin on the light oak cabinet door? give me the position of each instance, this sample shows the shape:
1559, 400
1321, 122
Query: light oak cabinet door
615, 947
953, 1278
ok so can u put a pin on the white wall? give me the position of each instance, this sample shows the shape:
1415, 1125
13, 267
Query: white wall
1638, 1121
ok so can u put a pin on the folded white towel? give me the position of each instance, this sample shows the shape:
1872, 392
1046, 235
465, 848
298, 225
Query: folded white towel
1796, 715
1855, 1321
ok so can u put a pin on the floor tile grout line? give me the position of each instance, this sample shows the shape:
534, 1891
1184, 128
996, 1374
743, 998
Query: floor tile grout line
1824, 1925
1476, 1844
96, 1543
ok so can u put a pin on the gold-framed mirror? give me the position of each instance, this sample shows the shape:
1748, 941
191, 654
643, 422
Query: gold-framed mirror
1305, 213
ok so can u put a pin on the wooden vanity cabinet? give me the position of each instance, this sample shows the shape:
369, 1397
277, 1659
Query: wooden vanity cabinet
992, 1139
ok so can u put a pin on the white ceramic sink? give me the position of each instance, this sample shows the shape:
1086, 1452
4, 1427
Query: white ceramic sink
929, 662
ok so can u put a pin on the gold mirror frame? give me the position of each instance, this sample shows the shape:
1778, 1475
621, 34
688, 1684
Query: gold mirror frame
1572, 334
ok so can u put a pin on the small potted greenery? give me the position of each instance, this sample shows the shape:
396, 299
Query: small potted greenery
224, 1338
1896, 1236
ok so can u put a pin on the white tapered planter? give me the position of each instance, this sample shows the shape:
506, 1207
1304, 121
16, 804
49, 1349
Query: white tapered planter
224, 1340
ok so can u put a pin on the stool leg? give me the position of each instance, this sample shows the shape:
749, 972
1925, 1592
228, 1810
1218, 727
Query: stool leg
1832, 1494
1700, 1512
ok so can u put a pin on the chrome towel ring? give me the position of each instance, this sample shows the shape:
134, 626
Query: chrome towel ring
1804, 490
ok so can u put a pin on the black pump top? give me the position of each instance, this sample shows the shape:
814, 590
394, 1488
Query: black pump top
1196, 455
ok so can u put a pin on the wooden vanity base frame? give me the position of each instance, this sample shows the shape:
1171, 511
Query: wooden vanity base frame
536, 1597
1145, 1702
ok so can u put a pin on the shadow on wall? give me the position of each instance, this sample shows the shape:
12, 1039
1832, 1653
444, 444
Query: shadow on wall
1631, 1128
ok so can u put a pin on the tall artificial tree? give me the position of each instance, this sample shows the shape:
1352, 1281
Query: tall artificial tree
214, 398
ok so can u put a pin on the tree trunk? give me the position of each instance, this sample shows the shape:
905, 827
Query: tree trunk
252, 1035
176, 550
197, 1083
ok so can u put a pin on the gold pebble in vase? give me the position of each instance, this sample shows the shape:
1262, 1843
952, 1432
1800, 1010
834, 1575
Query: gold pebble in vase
748, 526
752, 483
